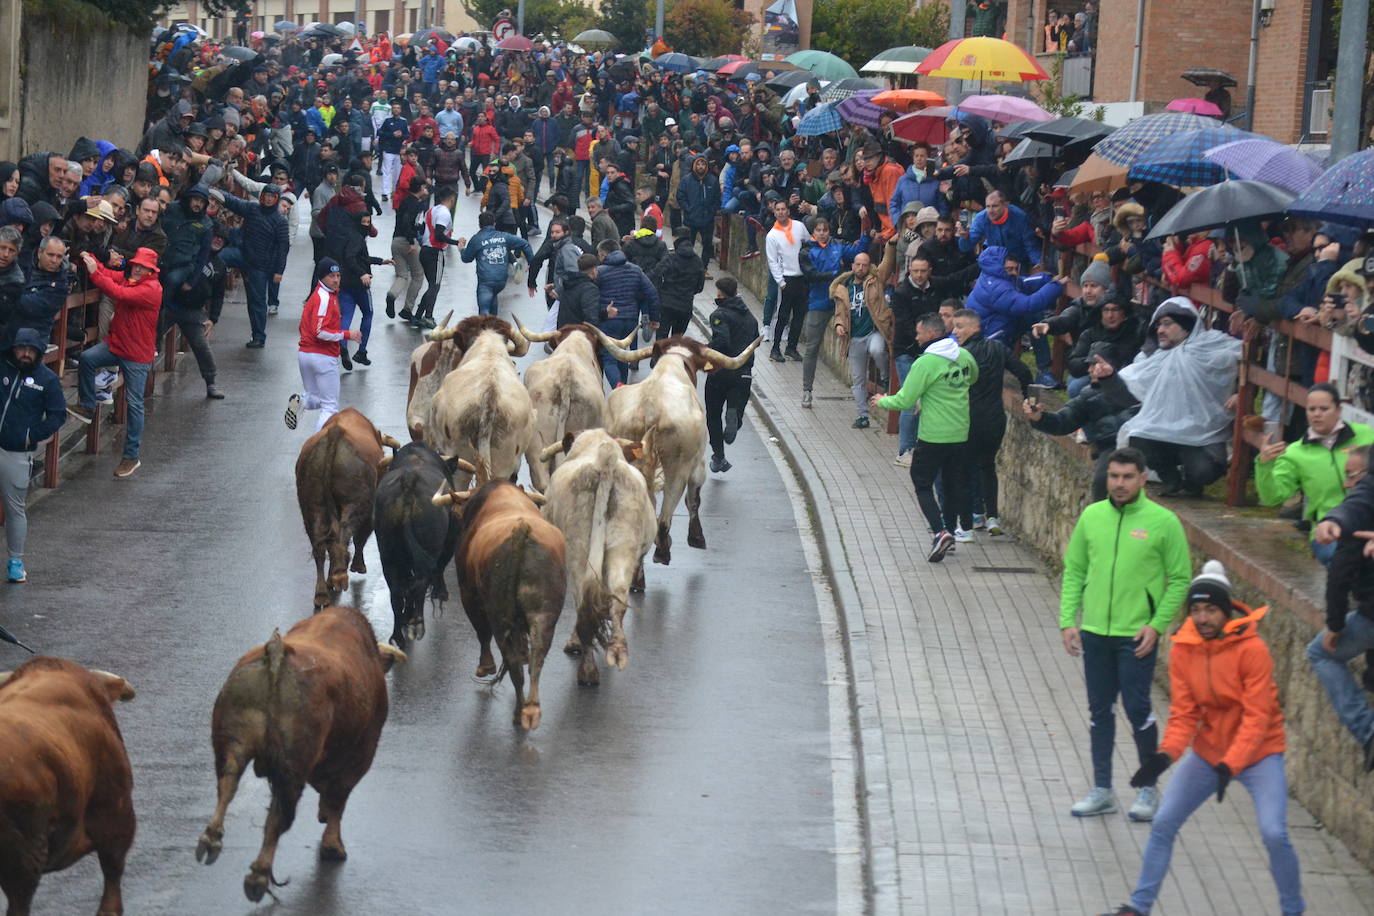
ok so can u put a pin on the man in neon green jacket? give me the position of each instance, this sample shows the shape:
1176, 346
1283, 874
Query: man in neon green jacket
940, 379
1315, 464
1127, 568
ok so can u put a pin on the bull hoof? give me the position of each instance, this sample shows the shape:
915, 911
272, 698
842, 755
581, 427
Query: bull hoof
439, 592
696, 539
619, 655
358, 565
415, 630
573, 646
637, 586
321, 601
333, 852
338, 582
208, 849
528, 717
587, 673
486, 670
663, 555
254, 886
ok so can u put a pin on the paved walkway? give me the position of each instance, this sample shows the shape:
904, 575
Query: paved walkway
983, 719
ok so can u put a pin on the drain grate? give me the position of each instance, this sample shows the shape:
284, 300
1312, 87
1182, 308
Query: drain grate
1005, 569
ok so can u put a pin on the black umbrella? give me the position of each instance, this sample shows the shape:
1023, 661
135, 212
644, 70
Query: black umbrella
1016, 130
1221, 204
1208, 76
422, 37
1030, 149
1068, 131
8, 637
716, 63
238, 52
785, 81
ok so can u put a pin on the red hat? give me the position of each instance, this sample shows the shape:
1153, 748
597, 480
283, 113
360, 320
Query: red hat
145, 257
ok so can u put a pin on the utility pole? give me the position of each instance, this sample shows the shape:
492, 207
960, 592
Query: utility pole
658, 19
520, 18
955, 88
1350, 62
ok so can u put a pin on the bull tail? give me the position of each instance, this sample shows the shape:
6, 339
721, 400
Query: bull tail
512, 630
595, 589
483, 461
273, 761
650, 468
562, 406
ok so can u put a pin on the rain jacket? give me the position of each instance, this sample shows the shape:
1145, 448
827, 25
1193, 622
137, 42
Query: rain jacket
698, 198
1311, 467
1182, 390
494, 251
95, 182
1223, 699
133, 329
1184, 268
679, 277
33, 407
1125, 567
625, 286
925, 191
821, 264
1000, 301
940, 379
1014, 233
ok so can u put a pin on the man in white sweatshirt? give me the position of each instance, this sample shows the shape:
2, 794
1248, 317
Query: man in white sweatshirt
783, 247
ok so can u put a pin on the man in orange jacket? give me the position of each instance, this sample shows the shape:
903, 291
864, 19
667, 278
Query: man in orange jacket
1225, 704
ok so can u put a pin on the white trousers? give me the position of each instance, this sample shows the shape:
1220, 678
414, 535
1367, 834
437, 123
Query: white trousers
391, 170
320, 378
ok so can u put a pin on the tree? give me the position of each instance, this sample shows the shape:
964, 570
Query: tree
706, 28
83, 16
552, 18
857, 30
627, 20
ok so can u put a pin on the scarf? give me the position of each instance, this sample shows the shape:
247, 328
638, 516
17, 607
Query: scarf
786, 230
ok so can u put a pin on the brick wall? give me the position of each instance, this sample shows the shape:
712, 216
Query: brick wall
1280, 74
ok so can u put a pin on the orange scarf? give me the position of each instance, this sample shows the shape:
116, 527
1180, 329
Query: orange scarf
785, 229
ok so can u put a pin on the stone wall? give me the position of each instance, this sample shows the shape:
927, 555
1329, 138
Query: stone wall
58, 82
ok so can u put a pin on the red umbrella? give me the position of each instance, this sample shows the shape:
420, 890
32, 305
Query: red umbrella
1194, 106
515, 43
924, 126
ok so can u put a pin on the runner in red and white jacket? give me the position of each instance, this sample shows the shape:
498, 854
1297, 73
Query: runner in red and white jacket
321, 335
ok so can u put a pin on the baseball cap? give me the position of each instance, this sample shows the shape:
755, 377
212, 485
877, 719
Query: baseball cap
669, 122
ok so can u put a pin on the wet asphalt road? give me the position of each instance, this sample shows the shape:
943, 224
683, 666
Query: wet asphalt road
696, 781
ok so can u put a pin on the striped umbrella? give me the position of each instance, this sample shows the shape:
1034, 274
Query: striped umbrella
983, 58
823, 120
1343, 194
1127, 144
1179, 160
843, 89
859, 109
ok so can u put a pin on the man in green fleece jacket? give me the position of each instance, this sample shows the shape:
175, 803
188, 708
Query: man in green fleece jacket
1127, 568
940, 379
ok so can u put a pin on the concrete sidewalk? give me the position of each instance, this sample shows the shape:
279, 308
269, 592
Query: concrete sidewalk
978, 743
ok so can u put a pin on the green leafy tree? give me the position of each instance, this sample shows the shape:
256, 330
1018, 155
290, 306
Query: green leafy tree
552, 18
857, 30
706, 27
627, 20
82, 16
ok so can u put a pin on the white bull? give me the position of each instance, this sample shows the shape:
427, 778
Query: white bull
429, 363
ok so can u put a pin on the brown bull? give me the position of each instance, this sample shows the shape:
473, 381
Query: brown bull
566, 392
307, 707
336, 479
664, 412
65, 785
512, 581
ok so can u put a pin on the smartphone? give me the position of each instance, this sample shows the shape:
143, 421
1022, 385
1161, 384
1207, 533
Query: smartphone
964, 218
1060, 212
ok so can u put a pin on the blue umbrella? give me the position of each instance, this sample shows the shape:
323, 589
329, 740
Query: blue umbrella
1179, 160
1125, 145
1267, 160
678, 63
824, 120
1344, 194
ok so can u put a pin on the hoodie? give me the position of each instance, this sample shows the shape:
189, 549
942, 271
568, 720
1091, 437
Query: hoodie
32, 406
95, 182
1002, 302
940, 379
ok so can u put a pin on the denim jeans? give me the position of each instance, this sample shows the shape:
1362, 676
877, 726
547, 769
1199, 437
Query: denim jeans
906, 423
615, 328
1333, 670
1076, 385
486, 297
135, 377
255, 289
1194, 781
1112, 670
1324, 552
361, 299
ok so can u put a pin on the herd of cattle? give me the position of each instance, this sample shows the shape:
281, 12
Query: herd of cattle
309, 707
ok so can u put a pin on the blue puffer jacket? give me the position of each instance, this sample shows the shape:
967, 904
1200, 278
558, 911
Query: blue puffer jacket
494, 251
43, 297
32, 407
266, 237
625, 286
822, 265
1002, 302
1014, 233
925, 191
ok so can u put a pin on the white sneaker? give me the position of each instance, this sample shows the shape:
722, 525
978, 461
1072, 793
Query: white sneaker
1098, 801
104, 397
963, 537
105, 378
767, 333
995, 527
903, 460
1146, 804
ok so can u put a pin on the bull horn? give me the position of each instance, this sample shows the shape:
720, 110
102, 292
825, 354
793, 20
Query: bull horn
384, 464
624, 342
118, 687
620, 353
390, 441
720, 361
390, 655
532, 336
442, 333
521, 344
536, 497
443, 324
443, 499
549, 452
468, 466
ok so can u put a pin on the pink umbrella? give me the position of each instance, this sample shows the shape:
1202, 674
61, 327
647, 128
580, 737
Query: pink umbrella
1004, 108
1194, 106
515, 43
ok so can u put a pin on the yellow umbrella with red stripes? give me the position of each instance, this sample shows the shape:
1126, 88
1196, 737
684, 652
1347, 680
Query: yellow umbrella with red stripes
986, 59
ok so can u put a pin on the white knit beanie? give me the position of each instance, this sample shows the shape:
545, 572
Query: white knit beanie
1211, 586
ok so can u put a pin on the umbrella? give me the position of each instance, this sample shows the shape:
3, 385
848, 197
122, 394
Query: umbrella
1068, 131
858, 109
907, 100
1221, 204
1262, 159
9, 637
285, 25
1066, 180
1098, 174
424, 36
1343, 194
466, 43
1030, 149
799, 93
823, 120
678, 63
716, 63
1016, 130
1208, 76
258, 35
596, 38
1178, 160
330, 60
1123, 146
1004, 108
896, 60
924, 126
843, 89
347, 28
790, 79
822, 63
982, 59
1194, 106
515, 43
235, 52
327, 28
